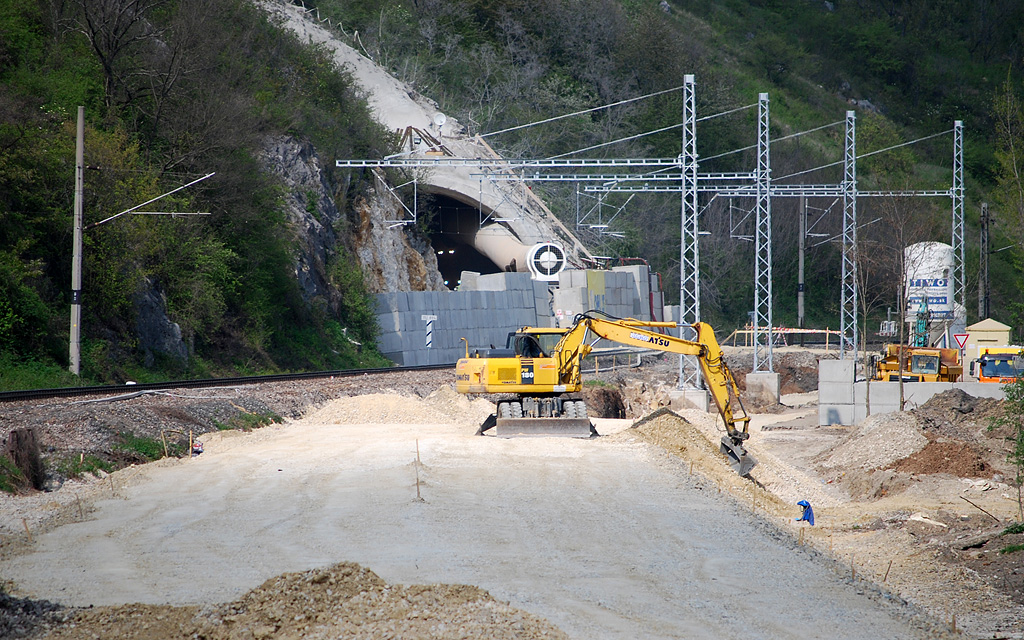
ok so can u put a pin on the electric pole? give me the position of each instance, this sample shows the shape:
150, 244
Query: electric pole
983, 291
75, 354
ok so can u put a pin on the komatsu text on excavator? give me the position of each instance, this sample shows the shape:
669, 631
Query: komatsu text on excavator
541, 366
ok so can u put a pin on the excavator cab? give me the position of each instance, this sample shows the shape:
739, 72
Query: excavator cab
532, 342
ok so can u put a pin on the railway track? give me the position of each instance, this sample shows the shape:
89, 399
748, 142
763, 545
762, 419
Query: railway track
69, 392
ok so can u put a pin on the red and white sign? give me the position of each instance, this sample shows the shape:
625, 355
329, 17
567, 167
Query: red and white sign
961, 339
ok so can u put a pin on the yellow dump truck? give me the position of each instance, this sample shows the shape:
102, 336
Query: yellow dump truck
919, 364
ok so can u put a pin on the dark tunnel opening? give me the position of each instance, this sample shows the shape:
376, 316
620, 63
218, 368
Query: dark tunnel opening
451, 228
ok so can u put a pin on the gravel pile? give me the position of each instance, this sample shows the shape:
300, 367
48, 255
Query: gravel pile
341, 601
876, 443
441, 407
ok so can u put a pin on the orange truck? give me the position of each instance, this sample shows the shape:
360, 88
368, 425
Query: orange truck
1000, 365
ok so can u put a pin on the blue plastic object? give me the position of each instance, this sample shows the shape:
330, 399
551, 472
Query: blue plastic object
808, 514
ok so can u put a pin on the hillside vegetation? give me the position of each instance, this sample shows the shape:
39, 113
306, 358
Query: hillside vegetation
908, 69
175, 89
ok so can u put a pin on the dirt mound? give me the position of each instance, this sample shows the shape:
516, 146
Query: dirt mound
797, 368
798, 371
946, 456
341, 601
675, 434
876, 443
437, 408
955, 414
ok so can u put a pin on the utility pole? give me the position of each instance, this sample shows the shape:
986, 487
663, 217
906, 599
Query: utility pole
75, 353
75, 346
800, 267
983, 286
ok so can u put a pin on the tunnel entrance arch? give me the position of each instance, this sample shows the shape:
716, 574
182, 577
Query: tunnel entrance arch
461, 244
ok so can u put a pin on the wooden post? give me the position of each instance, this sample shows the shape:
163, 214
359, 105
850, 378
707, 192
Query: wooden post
418, 497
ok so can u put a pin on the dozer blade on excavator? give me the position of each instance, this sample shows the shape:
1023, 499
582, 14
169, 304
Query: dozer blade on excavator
741, 461
565, 427
526, 427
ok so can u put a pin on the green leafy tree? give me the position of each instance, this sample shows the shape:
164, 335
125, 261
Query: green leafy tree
1013, 421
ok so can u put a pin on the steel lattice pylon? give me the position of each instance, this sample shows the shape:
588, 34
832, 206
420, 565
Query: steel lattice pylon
957, 193
689, 251
763, 260
848, 311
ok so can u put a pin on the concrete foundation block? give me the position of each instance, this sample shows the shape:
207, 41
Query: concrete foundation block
689, 399
764, 386
469, 280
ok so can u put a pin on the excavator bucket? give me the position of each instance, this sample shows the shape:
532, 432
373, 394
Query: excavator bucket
741, 461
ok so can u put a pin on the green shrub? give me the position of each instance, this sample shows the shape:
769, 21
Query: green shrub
1017, 527
11, 477
147, 448
72, 466
248, 421
1013, 548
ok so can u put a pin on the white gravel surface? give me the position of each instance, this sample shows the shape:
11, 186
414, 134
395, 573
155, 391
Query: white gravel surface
606, 538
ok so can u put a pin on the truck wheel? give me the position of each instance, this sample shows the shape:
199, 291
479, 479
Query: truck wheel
517, 409
504, 410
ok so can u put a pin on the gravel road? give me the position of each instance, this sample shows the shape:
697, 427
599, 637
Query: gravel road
606, 538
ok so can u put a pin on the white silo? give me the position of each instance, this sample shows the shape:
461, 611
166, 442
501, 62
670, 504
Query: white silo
930, 282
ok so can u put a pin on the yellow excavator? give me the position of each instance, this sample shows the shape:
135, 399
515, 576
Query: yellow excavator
541, 366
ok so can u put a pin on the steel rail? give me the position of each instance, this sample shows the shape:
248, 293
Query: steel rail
70, 392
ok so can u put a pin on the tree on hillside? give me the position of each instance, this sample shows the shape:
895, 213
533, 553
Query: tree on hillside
1009, 193
905, 222
116, 29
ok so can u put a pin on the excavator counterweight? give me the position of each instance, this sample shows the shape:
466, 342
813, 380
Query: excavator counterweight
540, 369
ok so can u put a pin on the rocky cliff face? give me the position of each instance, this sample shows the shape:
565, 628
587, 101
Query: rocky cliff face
393, 258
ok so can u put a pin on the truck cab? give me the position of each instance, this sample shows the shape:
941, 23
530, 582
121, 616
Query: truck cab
1000, 365
920, 364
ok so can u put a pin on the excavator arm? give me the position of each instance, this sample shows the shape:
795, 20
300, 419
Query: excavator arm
577, 343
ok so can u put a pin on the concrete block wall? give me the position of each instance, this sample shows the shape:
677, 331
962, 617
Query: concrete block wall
642, 287
623, 292
505, 302
845, 402
487, 307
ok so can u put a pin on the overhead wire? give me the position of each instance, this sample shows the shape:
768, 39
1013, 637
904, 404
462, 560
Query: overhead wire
579, 113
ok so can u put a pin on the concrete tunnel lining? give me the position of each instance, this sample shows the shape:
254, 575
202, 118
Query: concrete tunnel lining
461, 225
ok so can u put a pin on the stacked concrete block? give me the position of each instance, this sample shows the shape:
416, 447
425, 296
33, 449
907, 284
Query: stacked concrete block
835, 392
569, 301
641, 289
484, 311
572, 278
543, 303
